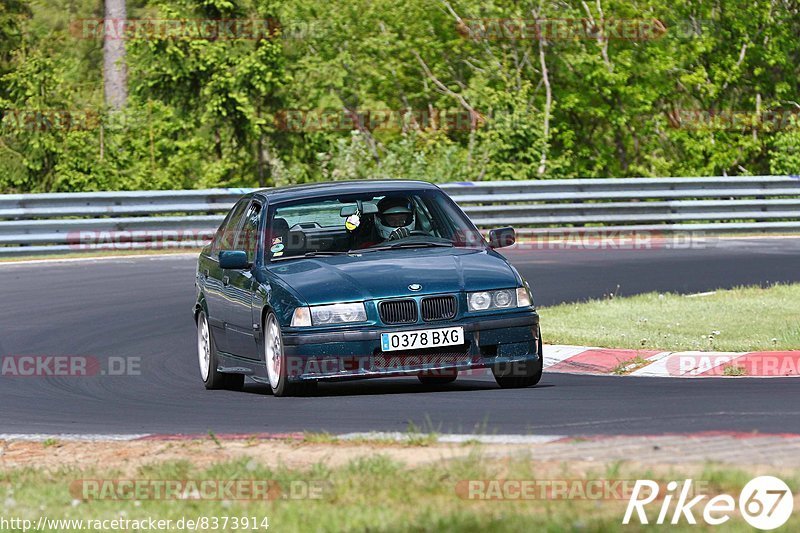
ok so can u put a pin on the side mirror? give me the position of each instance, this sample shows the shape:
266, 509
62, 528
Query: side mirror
502, 237
235, 260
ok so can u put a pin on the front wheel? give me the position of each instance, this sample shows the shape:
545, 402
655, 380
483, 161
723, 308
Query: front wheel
520, 377
277, 364
207, 357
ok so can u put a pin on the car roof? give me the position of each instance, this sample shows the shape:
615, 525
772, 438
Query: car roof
311, 190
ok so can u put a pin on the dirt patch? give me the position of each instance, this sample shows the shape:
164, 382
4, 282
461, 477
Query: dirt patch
667, 452
131, 455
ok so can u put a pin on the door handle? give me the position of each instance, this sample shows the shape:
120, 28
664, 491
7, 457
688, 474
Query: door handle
226, 281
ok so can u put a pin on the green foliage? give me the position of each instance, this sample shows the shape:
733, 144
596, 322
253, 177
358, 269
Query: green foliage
785, 150
711, 90
12, 17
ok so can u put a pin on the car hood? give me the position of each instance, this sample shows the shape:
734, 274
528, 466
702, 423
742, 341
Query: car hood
388, 274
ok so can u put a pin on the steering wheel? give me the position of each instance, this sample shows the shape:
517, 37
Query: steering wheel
403, 233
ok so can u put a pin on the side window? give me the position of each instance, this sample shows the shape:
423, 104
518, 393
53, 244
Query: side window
248, 235
226, 234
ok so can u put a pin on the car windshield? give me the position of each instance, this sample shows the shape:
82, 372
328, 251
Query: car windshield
367, 223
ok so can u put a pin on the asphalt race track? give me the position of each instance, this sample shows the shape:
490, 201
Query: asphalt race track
141, 308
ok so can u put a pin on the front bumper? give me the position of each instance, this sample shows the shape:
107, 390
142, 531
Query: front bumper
506, 342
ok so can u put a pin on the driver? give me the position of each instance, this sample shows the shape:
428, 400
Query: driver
395, 219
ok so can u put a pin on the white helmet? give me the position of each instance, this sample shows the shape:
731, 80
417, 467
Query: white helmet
394, 212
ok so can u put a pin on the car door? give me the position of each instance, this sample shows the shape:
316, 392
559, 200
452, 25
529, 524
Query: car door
215, 277
240, 328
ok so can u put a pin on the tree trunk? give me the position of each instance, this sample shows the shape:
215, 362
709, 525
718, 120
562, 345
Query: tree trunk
264, 163
115, 75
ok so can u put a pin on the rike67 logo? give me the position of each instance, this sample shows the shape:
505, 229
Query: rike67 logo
765, 503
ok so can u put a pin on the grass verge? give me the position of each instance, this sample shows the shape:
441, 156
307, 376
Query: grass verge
372, 493
741, 319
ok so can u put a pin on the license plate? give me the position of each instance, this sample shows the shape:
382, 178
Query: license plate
422, 338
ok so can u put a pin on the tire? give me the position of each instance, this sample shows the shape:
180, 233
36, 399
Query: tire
532, 377
277, 366
212, 378
439, 379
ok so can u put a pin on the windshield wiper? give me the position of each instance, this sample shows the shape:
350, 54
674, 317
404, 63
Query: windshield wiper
398, 245
311, 254
314, 253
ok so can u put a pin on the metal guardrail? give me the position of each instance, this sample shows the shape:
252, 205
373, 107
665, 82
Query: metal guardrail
32, 224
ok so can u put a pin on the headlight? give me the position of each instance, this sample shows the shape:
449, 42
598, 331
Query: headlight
338, 314
501, 299
321, 315
479, 301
